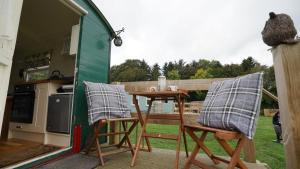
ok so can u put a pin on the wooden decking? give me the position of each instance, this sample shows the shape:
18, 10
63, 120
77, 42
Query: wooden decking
14, 151
159, 159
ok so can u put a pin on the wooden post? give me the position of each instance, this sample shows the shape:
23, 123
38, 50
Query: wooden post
114, 127
249, 151
287, 71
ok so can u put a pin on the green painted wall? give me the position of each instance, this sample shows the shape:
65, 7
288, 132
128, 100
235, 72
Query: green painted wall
93, 63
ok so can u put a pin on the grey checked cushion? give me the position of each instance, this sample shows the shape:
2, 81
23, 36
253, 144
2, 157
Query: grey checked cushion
105, 101
233, 104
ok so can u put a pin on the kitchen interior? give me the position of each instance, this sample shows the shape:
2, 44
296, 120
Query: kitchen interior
38, 109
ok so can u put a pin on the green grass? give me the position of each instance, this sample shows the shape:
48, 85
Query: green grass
266, 150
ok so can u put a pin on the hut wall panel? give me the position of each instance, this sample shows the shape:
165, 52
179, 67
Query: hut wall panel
92, 63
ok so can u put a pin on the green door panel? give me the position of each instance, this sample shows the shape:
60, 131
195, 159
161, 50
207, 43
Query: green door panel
93, 62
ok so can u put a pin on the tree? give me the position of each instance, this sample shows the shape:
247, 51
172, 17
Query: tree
248, 64
201, 74
173, 75
155, 72
188, 71
180, 66
203, 63
232, 70
215, 64
269, 84
139, 70
215, 69
269, 80
144, 65
131, 70
168, 67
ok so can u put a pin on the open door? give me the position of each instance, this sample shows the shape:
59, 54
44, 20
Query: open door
10, 11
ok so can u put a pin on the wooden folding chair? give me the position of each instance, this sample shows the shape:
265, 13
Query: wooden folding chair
222, 136
121, 148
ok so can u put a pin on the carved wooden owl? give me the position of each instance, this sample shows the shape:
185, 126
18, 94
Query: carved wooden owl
279, 29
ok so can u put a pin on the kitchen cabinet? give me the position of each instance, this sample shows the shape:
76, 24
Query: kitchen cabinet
38, 125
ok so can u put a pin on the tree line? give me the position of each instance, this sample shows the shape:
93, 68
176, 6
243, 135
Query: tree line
139, 70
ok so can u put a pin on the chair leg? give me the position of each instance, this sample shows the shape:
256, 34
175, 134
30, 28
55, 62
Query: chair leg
201, 144
127, 138
96, 133
87, 151
95, 139
234, 154
90, 145
188, 162
129, 131
100, 153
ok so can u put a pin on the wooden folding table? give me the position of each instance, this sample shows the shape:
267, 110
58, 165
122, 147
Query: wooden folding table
177, 96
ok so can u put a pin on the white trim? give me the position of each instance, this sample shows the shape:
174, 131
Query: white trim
40, 157
74, 7
74, 40
74, 86
4, 61
10, 12
5, 50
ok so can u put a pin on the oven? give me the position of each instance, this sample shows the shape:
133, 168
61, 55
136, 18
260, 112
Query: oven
23, 103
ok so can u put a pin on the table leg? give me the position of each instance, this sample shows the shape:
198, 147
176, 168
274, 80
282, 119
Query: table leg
146, 119
180, 101
137, 147
183, 130
143, 130
178, 148
135, 101
185, 143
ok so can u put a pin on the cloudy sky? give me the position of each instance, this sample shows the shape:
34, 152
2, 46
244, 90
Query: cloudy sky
168, 30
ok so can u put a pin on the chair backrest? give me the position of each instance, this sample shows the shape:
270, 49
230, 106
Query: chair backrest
105, 101
234, 104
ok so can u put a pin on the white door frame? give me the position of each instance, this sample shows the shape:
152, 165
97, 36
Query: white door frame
10, 12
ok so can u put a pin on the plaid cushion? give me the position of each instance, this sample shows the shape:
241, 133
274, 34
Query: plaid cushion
233, 104
106, 101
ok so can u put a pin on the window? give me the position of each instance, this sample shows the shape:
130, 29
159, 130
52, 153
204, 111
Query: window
37, 66
38, 73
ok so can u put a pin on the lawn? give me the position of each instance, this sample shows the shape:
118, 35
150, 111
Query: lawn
266, 151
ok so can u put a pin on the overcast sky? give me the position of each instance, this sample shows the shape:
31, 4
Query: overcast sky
168, 30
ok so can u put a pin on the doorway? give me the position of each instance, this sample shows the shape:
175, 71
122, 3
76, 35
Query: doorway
42, 59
